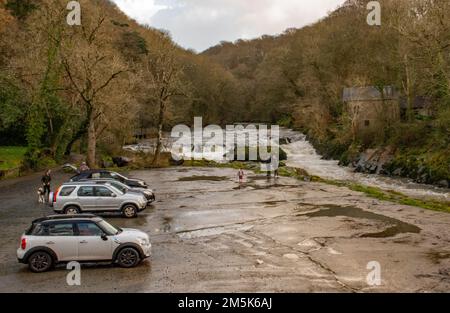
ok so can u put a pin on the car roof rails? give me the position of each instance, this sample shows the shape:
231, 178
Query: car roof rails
64, 217
96, 180
90, 180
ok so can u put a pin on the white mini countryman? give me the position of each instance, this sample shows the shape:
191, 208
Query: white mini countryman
82, 238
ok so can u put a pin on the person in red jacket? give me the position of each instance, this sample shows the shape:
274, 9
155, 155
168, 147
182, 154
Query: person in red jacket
241, 175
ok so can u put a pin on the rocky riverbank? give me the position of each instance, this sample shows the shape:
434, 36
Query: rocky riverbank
387, 161
421, 166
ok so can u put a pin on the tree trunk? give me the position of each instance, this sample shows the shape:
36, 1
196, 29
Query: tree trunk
162, 108
92, 142
78, 135
409, 108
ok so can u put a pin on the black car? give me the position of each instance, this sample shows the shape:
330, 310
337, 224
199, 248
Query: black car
104, 174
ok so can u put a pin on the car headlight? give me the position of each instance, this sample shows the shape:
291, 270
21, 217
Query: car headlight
143, 241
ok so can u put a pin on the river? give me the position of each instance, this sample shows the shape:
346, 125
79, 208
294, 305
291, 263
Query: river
302, 154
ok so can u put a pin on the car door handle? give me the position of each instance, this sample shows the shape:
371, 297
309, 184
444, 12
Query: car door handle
50, 243
84, 241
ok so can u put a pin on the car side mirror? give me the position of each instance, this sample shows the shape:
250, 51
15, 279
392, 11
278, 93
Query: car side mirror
113, 195
104, 237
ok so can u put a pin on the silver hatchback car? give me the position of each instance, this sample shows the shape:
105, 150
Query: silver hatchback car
90, 197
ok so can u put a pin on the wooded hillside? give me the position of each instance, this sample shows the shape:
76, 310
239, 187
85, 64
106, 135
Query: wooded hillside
66, 88
297, 79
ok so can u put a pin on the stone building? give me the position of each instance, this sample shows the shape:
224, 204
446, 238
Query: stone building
371, 109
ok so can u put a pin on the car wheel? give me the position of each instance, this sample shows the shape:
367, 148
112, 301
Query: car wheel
40, 262
72, 210
129, 211
128, 257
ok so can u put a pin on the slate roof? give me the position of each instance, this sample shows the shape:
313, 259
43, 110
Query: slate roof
370, 93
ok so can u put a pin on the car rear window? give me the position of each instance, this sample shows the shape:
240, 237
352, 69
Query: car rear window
61, 229
66, 191
51, 229
38, 230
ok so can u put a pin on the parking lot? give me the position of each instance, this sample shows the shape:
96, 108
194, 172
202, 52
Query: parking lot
210, 234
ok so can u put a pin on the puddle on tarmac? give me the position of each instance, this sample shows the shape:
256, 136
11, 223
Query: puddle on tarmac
251, 186
394, 226
259, 177
274, 203
269, 185
203, 178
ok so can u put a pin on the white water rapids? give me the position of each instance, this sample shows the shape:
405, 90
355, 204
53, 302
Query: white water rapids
302, 154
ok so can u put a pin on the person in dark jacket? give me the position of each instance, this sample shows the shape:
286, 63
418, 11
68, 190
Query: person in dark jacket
46, 181
83, 167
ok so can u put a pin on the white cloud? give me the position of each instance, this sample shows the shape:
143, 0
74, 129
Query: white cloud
199, 24
141, 10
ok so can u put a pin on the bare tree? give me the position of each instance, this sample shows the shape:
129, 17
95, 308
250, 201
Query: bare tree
92, 68
162, 72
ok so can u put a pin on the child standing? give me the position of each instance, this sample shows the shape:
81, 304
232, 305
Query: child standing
241, 175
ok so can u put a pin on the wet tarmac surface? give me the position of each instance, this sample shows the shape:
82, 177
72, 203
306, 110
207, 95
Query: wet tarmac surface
211, 234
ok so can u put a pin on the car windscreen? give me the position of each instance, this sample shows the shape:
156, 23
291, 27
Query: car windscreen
119, 187
118, 176
108, 228
76, 177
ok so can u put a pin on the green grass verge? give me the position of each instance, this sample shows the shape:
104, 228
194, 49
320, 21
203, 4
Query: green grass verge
11, 157
388, 195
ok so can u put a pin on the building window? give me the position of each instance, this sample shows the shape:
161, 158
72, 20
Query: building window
367, 123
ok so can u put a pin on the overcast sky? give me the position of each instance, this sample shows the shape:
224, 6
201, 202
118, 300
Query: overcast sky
199, 24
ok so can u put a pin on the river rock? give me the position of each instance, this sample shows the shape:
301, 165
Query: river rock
121, 161
373, 160
397, 172
423, 178
176, 162
443, 183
